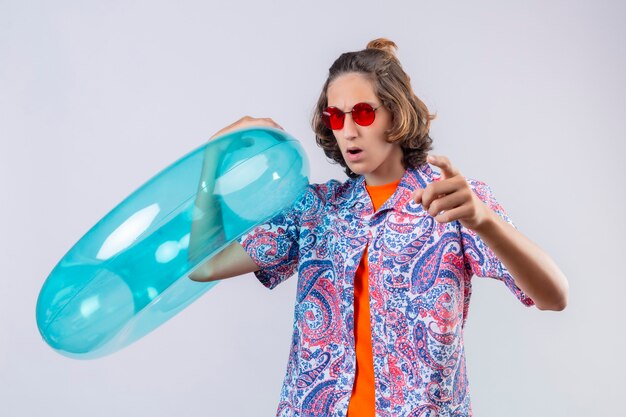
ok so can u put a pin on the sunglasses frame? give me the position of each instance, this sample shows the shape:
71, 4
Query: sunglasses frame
343, 118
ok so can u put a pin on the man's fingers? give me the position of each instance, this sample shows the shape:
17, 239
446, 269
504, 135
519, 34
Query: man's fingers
445, 203
435, 190
247, 121
447, 169
450, 215
273, 123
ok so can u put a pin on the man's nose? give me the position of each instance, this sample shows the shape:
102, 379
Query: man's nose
349, 127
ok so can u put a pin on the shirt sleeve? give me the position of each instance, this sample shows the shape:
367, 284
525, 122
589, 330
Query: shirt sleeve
479, 259
274, 245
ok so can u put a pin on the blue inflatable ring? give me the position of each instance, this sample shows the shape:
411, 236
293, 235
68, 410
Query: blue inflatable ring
130, 272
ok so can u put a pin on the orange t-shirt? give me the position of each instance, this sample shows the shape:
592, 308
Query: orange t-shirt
362, 401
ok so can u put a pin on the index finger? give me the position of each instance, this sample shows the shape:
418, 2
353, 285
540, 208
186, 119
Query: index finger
447, 169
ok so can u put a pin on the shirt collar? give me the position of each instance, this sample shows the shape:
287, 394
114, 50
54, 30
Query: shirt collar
353, 190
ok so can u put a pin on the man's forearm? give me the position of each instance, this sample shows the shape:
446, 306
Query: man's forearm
207, 222
534, 271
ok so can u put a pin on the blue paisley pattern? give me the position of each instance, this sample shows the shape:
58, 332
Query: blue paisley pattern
420, 289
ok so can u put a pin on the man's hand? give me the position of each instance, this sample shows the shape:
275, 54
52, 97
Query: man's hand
451, 198
247, 121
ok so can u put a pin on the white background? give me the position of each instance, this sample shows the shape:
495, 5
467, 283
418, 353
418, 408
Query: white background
96, 97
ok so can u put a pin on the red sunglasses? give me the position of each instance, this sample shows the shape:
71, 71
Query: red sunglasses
362, 114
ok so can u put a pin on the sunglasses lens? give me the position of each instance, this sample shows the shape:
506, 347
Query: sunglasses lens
333, 118
363, 114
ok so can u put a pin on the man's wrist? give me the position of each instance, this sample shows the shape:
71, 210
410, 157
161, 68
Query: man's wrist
489, 223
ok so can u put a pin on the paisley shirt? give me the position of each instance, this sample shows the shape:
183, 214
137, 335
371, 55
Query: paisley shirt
419, 284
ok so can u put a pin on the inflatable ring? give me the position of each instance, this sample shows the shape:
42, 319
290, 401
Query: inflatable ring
130, 272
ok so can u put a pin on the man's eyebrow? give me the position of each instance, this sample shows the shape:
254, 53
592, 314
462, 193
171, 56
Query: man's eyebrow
370, 102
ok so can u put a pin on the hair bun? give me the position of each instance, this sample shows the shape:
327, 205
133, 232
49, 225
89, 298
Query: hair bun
383, 44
